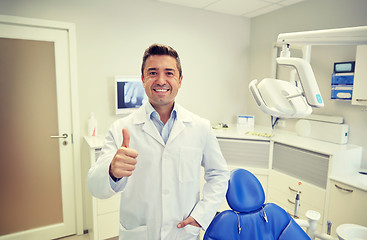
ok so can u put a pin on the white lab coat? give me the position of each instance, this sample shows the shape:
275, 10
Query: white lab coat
164, 189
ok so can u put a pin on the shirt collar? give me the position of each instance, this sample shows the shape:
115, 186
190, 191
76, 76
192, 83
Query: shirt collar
152, 113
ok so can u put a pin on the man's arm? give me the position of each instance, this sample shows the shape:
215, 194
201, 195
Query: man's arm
216, 177
112, 162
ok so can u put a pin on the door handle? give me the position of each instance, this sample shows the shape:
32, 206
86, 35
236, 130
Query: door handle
292, 202
65, 135
344, 189
293, 190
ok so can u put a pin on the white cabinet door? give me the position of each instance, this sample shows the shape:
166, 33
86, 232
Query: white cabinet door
347, 205
360, 77
283, 190
103, 215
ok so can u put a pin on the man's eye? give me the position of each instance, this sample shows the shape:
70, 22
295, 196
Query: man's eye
152, 73
170, 73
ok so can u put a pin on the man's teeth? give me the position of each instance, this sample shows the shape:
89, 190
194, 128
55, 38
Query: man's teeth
161, 90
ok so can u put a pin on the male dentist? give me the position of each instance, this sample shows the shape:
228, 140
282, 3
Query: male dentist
153, 157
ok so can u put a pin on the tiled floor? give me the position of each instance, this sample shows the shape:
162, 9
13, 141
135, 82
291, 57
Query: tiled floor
76, 237
82, 237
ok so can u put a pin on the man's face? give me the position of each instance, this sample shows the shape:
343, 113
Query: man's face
161, 80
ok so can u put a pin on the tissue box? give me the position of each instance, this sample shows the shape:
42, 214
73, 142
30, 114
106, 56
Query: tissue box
342, 79
343, 92
342, 86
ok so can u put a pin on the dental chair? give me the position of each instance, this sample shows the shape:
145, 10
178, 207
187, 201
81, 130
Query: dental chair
250, 218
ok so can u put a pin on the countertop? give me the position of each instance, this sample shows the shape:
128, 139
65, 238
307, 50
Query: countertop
355, 180
345, 172
352, 177
94, 142
261, 133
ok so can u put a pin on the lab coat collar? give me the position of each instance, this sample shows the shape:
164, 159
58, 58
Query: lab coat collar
183, 117
141, 117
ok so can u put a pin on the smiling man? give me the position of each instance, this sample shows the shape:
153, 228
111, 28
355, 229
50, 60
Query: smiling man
154, 156
162, 78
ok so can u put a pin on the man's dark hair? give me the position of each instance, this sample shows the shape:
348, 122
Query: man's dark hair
160, 49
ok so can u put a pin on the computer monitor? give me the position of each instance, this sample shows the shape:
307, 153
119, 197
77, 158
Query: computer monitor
129, 94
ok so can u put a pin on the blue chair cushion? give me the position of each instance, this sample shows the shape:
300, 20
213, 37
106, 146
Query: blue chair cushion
246, 197
254, 227
245, 193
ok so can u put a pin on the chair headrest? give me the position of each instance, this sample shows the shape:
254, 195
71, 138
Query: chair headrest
245, 193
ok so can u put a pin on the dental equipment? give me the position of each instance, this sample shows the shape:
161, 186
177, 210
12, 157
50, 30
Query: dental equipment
311, 225
329, 224
296, 202
250, 217
283, 99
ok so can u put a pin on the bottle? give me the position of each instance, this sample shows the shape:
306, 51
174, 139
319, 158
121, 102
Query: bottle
92, 125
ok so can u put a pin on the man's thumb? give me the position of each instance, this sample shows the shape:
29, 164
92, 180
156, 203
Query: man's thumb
125, 137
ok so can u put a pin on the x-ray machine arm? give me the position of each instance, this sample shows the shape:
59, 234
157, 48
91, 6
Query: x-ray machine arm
281, 98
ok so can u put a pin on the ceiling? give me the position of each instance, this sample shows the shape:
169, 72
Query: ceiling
245, 8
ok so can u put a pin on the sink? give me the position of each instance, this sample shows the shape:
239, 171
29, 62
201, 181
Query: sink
351, 232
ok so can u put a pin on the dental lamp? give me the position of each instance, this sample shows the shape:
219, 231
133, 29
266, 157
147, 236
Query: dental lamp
283, 99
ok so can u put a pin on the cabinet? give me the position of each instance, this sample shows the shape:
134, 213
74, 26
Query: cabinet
347, 205
248, 153
103, 214
313, 163
291, 166
360, 77
252, 155
283, 189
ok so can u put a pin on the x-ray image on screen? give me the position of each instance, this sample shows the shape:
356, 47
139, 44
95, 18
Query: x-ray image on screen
130, 94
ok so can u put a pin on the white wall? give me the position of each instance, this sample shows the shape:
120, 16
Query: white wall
304, 16
112, 36
214, 48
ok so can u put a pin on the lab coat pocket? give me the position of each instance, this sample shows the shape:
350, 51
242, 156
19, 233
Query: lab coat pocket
189, 232
140, 233
190, 162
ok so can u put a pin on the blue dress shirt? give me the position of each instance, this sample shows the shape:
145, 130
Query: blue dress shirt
163, 129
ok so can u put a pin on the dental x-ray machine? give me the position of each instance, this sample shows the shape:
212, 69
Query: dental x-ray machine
285, 99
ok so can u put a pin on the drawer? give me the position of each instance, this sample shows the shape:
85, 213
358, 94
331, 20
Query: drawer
288, 203
289, 208
283, 185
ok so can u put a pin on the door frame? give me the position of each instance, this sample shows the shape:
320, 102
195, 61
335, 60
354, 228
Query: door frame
75, 138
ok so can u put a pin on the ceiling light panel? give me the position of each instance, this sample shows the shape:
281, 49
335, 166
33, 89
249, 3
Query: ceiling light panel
190, 3
272, 1
236, 7
262, 11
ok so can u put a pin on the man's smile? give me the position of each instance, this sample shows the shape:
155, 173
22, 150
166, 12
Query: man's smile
160, 90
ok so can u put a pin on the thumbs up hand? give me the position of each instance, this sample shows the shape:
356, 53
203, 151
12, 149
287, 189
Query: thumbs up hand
124, 161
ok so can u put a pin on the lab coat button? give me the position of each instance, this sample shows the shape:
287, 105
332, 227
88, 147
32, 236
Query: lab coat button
166, 192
